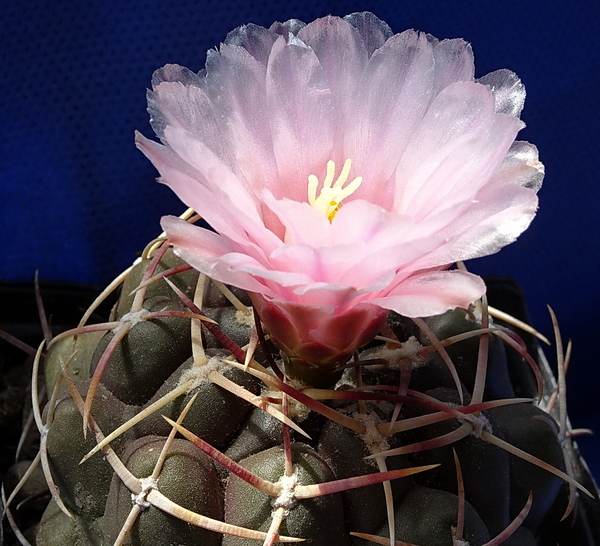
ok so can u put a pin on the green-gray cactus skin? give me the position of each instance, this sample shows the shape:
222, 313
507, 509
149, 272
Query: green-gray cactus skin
156, 354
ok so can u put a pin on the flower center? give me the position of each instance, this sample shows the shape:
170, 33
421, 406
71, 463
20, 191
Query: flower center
331, 194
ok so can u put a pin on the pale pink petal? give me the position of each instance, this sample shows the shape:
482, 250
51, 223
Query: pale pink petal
179, 99
215, 171
482, 226
508, 91
377, 242
300, 115
373, 31
237, 85
210, 245
389, 103
360, 220
256, 40
453, 62
433, 293
399, 83
303, 224
288, 29
184, 159
402, 258
322, 294
520, 166
284, 281
217, 207
496, 218
328, 268
280, 281
190, 185
320, 265
343, 56
209, 253
233, 81
391, 242
459, 144
339, 296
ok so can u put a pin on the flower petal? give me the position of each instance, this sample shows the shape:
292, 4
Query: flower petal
508, 91
234, 82
496, 218
303, 224
300, 116
458, 146
209, 253
453, 62
216, 173
373, 31
390, 100
433, 293
256, 40
343, 56
237, 85
217, 207
521, 166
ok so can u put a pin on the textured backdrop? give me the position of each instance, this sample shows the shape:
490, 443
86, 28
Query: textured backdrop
78, 201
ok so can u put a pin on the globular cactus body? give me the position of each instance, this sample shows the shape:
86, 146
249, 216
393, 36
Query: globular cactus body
396, 408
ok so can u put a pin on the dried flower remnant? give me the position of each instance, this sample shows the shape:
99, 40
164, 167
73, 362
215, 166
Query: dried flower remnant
345, 169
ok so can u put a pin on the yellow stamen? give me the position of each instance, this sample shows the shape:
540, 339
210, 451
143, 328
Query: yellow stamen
330, 197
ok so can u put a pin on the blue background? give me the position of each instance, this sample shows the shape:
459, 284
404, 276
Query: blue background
78, 201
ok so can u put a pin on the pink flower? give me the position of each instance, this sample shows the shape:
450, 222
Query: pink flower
344, 169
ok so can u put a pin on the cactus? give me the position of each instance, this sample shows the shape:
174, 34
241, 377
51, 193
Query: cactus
316, 370
396, 446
